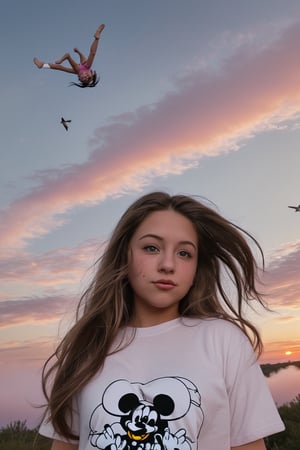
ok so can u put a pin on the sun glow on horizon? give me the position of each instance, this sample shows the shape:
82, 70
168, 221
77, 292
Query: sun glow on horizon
288, 353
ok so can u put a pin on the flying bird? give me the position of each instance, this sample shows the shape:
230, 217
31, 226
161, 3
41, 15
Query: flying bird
296, 208
65, 123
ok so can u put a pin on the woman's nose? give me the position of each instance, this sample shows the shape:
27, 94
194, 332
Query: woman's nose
166, 263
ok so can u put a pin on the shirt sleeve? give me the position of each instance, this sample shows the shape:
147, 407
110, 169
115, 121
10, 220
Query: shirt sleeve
46, 427
253, 412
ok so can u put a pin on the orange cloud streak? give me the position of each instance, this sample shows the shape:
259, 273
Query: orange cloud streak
275, 351
30, 352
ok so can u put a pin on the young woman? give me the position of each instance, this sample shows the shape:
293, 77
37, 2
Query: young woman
160, 358
86, 76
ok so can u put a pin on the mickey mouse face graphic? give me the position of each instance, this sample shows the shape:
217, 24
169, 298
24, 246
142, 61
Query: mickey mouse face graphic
142, 419
144, 412
142, 422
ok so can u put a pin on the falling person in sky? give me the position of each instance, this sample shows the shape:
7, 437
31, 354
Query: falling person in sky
65, 123
86, 76
296, 208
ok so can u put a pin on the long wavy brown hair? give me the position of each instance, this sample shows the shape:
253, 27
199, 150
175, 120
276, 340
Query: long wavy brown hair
107, 304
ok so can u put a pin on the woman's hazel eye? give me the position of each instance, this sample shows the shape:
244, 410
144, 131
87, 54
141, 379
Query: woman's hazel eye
150, 248
185, 254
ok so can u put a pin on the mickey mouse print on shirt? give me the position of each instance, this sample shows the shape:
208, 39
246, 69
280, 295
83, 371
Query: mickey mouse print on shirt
150, 416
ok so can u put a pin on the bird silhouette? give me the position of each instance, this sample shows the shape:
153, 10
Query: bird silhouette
65, 123
296, 208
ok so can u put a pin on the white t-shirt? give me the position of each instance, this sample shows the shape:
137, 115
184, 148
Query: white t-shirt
186, 384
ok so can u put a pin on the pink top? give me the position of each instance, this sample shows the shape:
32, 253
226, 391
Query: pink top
83, 67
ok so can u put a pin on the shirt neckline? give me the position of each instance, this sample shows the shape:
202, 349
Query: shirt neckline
156, 329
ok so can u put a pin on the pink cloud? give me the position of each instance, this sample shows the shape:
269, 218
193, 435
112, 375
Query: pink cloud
33, 310
202, 116
282, 280
57, 267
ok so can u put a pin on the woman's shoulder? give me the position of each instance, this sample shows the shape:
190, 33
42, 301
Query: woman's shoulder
223, 340
216, 328
213, 323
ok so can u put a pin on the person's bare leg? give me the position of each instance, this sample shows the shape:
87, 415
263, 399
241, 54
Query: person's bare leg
81, 55
62, 68
38, 63
99, 31
94, 46
67, 57
55, 66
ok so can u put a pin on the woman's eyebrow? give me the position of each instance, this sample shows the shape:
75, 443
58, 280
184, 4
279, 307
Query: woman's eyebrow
151, 235
159, 238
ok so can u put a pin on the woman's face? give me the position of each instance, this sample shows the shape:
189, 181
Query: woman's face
162, 263
85, 77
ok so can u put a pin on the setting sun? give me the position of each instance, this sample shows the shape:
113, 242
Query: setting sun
288, 353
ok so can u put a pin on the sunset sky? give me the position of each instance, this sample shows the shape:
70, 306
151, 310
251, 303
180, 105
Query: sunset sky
196, 97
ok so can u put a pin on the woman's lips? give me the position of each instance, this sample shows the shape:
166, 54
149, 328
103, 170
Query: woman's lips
165, 284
